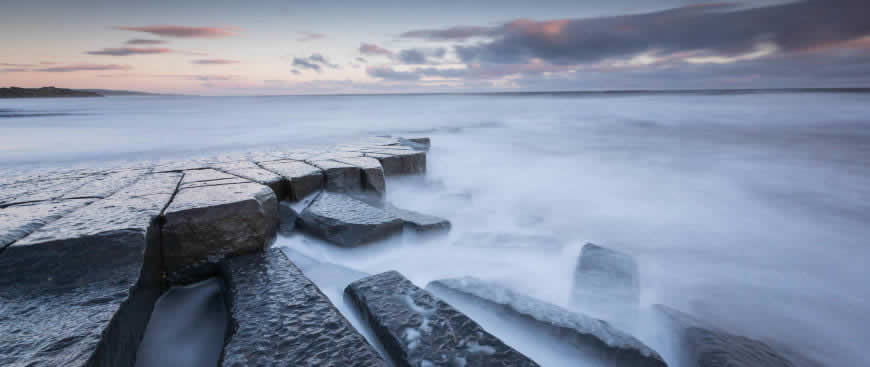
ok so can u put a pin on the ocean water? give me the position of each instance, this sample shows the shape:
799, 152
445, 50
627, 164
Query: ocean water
749, 211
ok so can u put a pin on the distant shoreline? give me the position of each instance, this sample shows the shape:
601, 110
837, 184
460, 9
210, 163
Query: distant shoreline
45, 92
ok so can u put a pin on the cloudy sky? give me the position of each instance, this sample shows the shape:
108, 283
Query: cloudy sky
233, 47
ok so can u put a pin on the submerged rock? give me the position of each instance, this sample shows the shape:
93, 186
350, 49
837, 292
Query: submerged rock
418, 221
417, 329
280, 318
593, 338
206, 223
346, 221
604, 277
701, 346
187, 327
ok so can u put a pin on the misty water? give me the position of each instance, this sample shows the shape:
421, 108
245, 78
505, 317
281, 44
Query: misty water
749, 211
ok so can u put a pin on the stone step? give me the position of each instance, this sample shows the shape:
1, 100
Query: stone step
417, 329
346, 221
591, 338
303, 179
280, 318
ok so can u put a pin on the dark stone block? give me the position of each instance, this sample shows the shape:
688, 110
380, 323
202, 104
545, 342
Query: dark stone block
400, 162
304, 179
280, 318
340, 176
591, 338
346, 221
18, 221
604, 277
372, 173
417, 329
418, 221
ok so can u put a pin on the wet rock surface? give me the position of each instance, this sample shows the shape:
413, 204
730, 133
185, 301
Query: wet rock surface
18, 221
304, 179
372, 173
205, 223
399, 162
340, 176
418, 221
703, 346
280, 318
592, 338
604, 276
417, 329
253, 172
346, 221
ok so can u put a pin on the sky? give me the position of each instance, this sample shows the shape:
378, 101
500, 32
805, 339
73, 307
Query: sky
273, 47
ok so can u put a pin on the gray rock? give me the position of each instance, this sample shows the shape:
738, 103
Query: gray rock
340, 176
203, 177
187, 327
418, 221
372, 173
417, 329
280, 318
416, 143
104, 185
346, 221
251, 171
18, 221
400, 162
592, 338
604, 277
205, 223
304, 179
702, 346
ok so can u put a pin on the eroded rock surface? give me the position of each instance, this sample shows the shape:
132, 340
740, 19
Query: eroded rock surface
18, 221
251, 171
595, 339
346, 221
340, 176
280, 318
372, 173
205, 223
703, 346
304, 179
417, 329
604, 277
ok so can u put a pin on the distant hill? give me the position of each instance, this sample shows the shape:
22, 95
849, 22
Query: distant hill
44, 92
111, 92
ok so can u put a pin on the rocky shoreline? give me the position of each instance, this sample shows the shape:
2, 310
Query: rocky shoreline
85, 255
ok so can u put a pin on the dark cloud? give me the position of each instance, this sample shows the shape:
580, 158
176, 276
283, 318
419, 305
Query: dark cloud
296, 72
388, 73
14, 70
83, 67
373, 49
715, 29
127, 51
214, 62
421, 55
309, 36
362, 60
314, 62
16, 65
141, 41
184, 31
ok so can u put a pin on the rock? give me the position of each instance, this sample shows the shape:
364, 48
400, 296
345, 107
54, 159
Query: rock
79, 291
251, 171
418, 221
591, 338
18, 221
346, 221
417, 329
604, 277
372, 173
205, 223
701, 346
400, 162
287, 218
206, 177
416, 143
280, 318
187, 327
304, 179
103, 185
340, 176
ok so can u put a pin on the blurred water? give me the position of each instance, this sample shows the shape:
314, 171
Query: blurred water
748, 210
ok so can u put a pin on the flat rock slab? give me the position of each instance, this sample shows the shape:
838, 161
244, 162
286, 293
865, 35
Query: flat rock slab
400, 162
604, 277
417, 329
595, 339
18, 221
253, 172
205, 223
304, 179
701, 346
372, 173
104, 185
346, 221
280, 318
340, 176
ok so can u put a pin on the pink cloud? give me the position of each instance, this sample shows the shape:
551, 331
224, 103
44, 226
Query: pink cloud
373, 49
127, 51
214, 62
140, 41
183, 31
84, 67
309, 36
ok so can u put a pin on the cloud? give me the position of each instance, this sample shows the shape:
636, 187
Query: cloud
456, 33
178, 31
14, 70
314, 62
141, 41
362, 60
388, 73
420, 55
214, 62
295, 72
373, 49
127, 51
710, 30
309, 36
16, 65
83, 67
